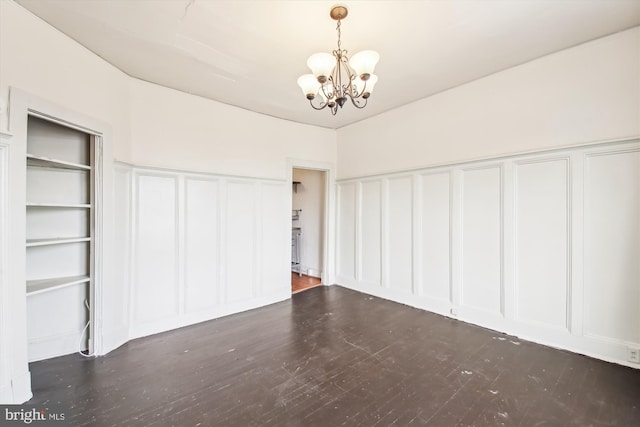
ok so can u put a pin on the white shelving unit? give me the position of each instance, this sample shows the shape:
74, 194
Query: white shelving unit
60, 216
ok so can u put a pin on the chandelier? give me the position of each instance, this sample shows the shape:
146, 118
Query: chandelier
336, 77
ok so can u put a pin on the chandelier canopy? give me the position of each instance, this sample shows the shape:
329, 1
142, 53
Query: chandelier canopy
336, 77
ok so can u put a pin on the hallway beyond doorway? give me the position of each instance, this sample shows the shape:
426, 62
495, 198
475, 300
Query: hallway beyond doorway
301, 283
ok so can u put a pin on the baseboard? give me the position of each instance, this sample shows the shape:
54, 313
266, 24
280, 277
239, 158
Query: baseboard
163, 325
53, 346
113, 339
18, 391
608, 351
314, 273
307, 271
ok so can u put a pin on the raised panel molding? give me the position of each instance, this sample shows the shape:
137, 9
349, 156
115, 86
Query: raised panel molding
201, 251
398, 234
155, 285
222, 242
274, 235
612, 246
370, 233
542, 235
123, 184
482, 287
346, 232
543, 245
434, 265
240, 247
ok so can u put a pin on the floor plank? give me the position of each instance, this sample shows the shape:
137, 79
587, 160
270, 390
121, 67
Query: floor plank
303, 282
334, 357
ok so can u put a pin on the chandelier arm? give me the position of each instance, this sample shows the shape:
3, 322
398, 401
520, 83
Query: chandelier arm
364, 89
323, 88
359, 102
353, 90
322, 105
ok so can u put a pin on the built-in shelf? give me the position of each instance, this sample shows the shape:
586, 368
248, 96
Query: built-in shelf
39, 286
61, 181
59, 205
56, 241
47, 162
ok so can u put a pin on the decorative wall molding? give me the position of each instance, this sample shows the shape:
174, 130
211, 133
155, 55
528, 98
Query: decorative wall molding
203, 246
550, 254
611, 240
516, 229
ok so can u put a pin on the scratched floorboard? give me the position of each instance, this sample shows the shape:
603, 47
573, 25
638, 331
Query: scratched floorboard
335, 357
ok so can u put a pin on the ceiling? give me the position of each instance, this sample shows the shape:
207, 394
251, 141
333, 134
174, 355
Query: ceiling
250, 53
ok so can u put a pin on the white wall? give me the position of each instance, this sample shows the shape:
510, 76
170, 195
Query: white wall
202, 245
589, 93
175, 130
241, 160
41, 60
309, 197
185, 143
543, 246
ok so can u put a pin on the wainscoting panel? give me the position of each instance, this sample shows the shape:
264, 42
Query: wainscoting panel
240, 249
612, 245
481, 239
541, 235
544, 245
156, 274
370, 232
346, 232
201, 234
274, 236
118, 324
399, 208
204, 246
434, 261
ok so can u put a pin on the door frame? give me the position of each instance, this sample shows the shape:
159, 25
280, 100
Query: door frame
329, 216
22, 105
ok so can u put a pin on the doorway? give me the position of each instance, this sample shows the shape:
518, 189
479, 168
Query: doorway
308, 228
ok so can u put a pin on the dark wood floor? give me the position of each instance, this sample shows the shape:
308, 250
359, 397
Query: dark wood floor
333, 357
303, 282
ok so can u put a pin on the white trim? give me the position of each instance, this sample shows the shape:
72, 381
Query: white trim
497, 158
569, 333
330, 210
6, 391
157, 169
142, 329
22, 106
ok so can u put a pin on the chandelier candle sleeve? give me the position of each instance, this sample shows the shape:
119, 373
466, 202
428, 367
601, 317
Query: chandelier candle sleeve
336, 78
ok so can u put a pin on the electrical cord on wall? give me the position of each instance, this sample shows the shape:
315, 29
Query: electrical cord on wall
80, 351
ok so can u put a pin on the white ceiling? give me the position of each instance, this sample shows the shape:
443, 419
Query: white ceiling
250, 53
